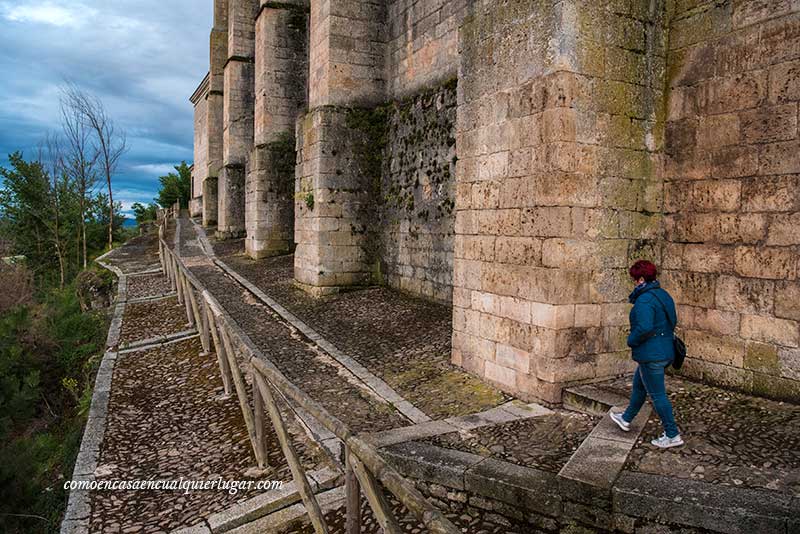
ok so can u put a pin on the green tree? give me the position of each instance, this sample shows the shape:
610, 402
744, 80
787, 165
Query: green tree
176, 187
144, 213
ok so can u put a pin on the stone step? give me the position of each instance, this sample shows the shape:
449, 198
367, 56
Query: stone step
591, 400
294, 517
270, 502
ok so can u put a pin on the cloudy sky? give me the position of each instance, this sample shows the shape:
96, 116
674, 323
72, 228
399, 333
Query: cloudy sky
143, 58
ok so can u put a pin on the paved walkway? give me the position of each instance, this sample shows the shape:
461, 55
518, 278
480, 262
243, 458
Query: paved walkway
166, 417
379, 361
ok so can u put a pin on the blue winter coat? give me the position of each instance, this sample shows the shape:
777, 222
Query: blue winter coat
651, 332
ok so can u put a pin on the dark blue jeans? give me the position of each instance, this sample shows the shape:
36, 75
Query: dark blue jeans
649, 380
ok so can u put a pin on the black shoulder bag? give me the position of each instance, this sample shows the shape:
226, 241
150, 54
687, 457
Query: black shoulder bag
677, 343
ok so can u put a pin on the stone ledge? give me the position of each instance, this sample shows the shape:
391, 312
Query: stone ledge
705, 505
659, 499
432, 464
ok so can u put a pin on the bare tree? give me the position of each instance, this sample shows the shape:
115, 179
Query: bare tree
79, 162
110, 142
56, 187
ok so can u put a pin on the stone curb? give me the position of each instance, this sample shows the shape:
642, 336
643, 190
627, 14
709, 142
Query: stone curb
294, 516
156, 298
157, 341
78, 511
270, 502
149, 271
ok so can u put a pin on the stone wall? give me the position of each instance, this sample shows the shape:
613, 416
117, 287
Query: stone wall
281, 67
422, 44
558, 142
417, 198
200, 166
733, 192
588, 134
238, 112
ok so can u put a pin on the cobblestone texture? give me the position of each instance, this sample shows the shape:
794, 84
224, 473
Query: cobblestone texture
317, 374
166, 420
138, 255
145, 320
149, 285
545, 442
403, 340
731, 438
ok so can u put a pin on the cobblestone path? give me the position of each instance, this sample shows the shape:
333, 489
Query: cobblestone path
403, 340
319, 375
731, 438
168, 419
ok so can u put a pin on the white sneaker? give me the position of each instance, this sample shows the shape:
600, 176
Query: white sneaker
663, 442
622, 423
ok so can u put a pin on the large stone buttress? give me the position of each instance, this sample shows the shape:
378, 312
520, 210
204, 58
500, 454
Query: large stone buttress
281, 68
333, 197
237, 117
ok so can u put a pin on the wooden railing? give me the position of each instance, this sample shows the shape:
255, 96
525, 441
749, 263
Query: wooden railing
365, 469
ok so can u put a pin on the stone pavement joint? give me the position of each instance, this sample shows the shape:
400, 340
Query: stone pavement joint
154, 298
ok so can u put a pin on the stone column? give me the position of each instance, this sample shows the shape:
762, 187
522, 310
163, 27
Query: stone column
218, 55
559, 189
281, 69
237, 116
332, 189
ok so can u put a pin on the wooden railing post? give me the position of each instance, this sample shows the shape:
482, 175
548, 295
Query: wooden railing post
374, 494
178, 285
258, 409
353, 495
241, 392
219, 347
188, 294
298, 473
204, 335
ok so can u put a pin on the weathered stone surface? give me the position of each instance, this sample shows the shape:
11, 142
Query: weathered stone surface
532, 180
704, 505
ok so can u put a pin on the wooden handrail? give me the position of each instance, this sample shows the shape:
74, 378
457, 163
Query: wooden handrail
363, 462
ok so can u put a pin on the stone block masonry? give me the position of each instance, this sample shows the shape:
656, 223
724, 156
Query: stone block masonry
732, 192
200, 167
335, 201
558, 190
514, 159
238, 116
281, 67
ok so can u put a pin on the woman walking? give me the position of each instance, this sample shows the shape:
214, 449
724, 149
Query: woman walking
653, 318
